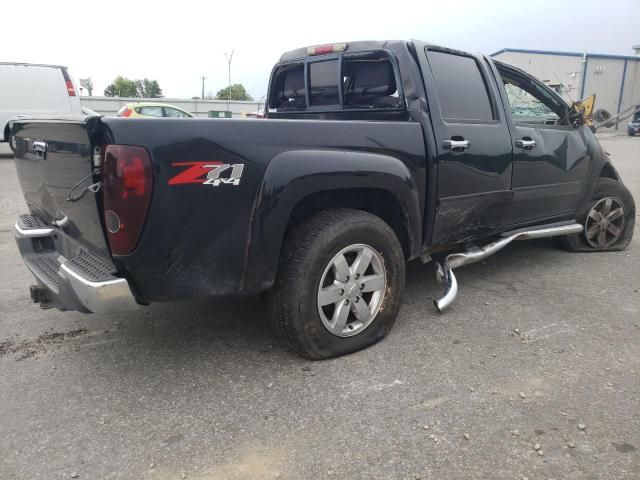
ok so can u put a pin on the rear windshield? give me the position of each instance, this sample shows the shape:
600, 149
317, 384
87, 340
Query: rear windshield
363, 81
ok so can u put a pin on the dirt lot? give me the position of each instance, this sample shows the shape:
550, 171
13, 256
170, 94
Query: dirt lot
542, 347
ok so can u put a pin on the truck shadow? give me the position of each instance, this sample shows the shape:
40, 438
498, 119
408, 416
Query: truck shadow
234, 335
224, 351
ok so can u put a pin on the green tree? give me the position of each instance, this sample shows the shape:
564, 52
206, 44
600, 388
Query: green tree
148, 88
122, 87
238, 92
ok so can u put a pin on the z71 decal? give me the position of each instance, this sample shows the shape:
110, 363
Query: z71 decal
208, 173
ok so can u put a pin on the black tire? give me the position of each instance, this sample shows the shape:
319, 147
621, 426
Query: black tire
307, 251
605, 187
601, 115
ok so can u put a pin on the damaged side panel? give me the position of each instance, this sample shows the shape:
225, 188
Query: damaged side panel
465, 217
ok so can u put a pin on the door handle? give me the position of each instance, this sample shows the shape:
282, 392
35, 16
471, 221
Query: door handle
40, 148
526, 143
456, 144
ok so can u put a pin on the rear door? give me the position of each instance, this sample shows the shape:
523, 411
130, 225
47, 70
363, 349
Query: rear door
474, 148
550, 157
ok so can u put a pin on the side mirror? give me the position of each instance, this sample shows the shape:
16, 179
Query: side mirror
576, 117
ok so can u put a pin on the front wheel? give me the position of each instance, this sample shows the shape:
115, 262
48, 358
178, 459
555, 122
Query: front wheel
339, 284
608, 220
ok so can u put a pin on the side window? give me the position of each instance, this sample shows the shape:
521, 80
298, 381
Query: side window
172, 112
525, 108
150, 111
460, 86
323, 83
369, 82
531, 104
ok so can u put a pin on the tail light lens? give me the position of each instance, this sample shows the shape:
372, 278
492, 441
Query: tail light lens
127, 187
124, 112
68, 82
70, 90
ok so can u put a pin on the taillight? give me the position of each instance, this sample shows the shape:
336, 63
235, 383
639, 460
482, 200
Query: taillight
70, 90
125, 112
68, 82
127, 188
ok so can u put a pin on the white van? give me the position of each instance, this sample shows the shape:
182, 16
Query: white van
31, 89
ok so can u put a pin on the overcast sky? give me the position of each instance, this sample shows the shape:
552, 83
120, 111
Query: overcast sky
178, 42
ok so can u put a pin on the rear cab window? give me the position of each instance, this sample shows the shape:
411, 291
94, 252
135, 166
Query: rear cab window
324, 83
360, 81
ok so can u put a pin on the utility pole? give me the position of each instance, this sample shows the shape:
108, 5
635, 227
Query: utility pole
203, 79
229, 58
260, 103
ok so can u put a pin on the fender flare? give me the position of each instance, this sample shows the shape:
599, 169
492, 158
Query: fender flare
293, 175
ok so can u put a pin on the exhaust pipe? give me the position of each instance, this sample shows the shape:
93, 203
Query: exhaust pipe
444, 272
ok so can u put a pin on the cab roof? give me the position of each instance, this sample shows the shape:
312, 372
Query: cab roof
360, 46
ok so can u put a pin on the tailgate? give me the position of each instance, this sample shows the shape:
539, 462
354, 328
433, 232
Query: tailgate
54, 165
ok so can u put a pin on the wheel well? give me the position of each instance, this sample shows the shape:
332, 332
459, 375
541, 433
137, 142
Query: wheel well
375, 201
609, 172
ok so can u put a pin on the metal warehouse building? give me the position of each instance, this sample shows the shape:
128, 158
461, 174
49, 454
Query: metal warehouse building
615, 79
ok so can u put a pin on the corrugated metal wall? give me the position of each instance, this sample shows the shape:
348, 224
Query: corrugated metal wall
603, 76
551, 69
631, 92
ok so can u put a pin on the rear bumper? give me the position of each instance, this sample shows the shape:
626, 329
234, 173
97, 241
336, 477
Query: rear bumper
69, 276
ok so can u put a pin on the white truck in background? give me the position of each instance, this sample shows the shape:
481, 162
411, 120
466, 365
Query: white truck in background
34, 89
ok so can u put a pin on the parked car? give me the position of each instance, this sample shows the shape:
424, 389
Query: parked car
148, 109
373, 154
633, 126
28, 89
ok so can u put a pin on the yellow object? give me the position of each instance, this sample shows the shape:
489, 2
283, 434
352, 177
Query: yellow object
586, 106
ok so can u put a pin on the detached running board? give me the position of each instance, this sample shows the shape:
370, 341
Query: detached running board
444, 271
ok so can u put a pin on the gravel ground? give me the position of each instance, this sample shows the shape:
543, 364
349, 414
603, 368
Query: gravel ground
534, 372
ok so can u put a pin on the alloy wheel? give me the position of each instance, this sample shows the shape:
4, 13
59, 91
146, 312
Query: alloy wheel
605, 223
351, 290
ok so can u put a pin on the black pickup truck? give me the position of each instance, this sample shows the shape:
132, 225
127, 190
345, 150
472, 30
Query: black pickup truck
372, 154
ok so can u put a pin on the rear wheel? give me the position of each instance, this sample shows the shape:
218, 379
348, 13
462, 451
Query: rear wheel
608, 220
339, 284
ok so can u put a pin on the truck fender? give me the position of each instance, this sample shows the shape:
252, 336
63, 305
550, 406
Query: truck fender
293, 175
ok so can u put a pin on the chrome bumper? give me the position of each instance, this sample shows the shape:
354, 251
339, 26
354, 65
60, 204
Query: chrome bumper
83, 282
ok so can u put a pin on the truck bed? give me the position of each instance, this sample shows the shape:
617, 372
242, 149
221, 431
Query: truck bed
201, 240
